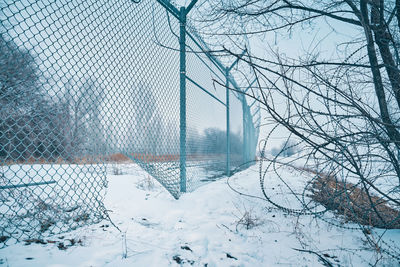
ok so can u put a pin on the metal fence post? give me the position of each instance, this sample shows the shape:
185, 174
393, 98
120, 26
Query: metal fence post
182, 45
228, 138
245, 130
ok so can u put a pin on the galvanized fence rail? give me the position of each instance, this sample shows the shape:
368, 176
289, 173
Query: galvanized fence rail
86, 84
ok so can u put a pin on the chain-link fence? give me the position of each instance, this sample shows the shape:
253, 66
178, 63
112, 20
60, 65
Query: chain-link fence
86, 83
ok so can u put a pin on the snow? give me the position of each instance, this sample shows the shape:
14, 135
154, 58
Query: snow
203, 228
74, 190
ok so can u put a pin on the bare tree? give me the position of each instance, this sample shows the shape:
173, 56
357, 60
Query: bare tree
27, 121
343, 108
80, 118
141, 125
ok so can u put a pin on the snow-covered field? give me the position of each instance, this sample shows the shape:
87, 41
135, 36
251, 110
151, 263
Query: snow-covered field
212, 226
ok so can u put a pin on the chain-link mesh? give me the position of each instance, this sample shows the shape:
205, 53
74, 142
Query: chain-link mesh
206, 118
87, 83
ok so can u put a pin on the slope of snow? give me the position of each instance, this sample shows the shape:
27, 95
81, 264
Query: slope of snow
207, 227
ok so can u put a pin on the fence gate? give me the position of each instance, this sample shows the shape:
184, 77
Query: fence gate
84, 81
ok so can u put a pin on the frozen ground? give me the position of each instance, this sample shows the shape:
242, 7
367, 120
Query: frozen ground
212, 226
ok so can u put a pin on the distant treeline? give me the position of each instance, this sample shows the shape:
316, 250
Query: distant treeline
35, 123
68, 122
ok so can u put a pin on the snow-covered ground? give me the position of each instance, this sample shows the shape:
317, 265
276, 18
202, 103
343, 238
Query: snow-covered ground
212, 226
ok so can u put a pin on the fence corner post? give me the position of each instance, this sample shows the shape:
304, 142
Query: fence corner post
182, 96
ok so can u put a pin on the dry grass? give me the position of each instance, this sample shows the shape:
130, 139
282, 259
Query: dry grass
147, 183
355, 204
246, 218
112, 158
117, 158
